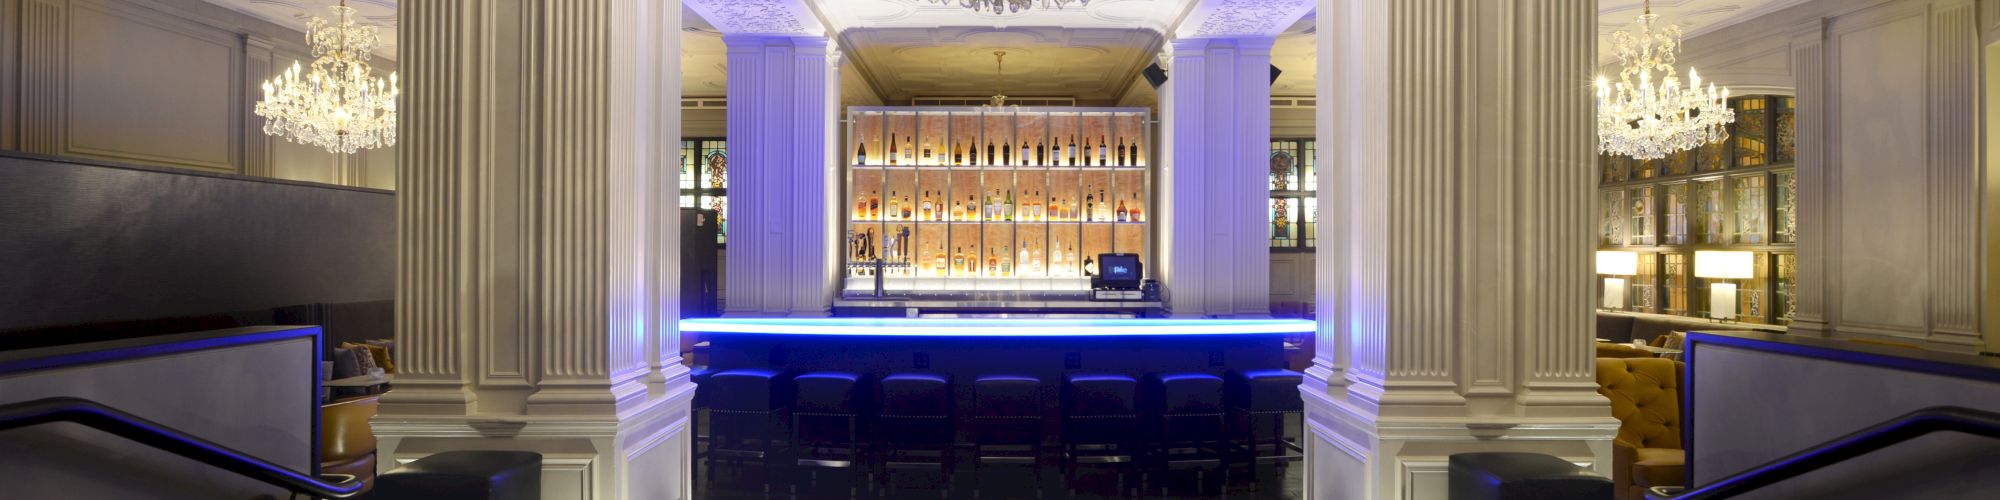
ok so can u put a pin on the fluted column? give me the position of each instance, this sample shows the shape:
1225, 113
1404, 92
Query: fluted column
539, 226
1219, 117
1814, 177
779, 143
1955, 187
1457, 152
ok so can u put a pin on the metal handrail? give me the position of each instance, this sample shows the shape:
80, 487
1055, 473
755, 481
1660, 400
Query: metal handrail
111, 420
1875, 437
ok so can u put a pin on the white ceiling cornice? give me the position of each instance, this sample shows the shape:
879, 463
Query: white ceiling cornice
1157, 16
1695, 17
1241, 18
760, 17
293, 14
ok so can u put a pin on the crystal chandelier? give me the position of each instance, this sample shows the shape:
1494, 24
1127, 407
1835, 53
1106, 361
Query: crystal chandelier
1007, 6
1646, 120
336, 103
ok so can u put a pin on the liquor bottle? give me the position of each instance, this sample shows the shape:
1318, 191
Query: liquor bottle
1024, 152
1008, 208
1084, 155
958, 260
989, 152
1123, 216
1006, 155
958, 153
971, 208
861, 153
1135, 152
1121, 151
892, 149
1104, 204
1041, 153
1100, 150
927, 151
861, 207
893, 208
1089, 208
992, 264
1006, 265
939, 262
1089, 268
1022, 263
874, 206
909, 150
924, 212
1135, 214
908, 208
1072, 151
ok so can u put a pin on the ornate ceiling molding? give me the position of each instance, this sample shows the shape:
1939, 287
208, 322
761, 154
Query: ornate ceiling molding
1241, 18
760, 17
293, 14
1695, 17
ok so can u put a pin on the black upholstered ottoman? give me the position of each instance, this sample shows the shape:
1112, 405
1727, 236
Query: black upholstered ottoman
1522, 476
466, 475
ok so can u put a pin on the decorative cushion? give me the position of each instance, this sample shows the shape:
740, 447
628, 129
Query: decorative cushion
344, 364
378, 354
363, 359
1659, 467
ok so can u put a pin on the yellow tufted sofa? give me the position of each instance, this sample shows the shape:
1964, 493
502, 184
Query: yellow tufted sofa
1645, 397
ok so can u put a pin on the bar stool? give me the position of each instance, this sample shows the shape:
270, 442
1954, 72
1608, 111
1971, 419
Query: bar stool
826, 422
747, 410
698, 375
1187, 424
1258, 396
1007, 423
1100, 415
913, 425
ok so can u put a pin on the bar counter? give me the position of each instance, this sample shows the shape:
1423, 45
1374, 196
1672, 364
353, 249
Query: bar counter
966, 349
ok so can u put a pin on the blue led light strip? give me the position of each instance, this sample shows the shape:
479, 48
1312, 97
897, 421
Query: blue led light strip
941, 327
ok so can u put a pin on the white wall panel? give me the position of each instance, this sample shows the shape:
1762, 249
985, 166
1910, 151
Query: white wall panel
1879, 137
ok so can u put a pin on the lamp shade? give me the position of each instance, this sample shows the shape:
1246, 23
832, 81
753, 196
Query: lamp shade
1617, 263
1725, 265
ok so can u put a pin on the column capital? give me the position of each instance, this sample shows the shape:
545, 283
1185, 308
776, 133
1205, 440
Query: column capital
760, 17
1238, 18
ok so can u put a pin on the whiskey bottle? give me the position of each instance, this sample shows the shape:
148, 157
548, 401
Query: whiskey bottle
1123, 216
925, 214
1089, 268
1121, 151
874, 206
1103, 203
1006, 265
908, 207
958, 153
892, 149
992, 264
861, 153
958, 260
894, 210
939, 263
1008, 208
1089, 208
971, 208
861, 207
927, 151
909, 150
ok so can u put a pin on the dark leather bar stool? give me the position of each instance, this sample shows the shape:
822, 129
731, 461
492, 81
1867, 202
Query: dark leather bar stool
1260, 401
470, 475
1522, 476
826, 422
699, 376
1100, 422
1007, 423
747, 411
1186, 423
913, 425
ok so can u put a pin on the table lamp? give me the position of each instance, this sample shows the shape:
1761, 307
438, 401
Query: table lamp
1720, 265
1615, 263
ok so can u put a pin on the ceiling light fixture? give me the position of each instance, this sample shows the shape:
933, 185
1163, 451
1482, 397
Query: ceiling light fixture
1008, 6
1645, 120
999, 79
337, 103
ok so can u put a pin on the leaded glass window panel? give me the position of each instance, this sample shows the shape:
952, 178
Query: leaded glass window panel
1785, 228
1788, 135
1786, 288
1284, 166
1748, 132
1612, 167
1639, 208
1645, 286
1293, 177
1751, 297
1709, 157
1284, 223
1311, 221
1709, 213
1613, 218
1750, 210
1676, 207
705, 180
1674, 279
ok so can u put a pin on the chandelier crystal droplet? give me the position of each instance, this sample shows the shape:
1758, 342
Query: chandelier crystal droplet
1645, 120
1008, 6
336, 103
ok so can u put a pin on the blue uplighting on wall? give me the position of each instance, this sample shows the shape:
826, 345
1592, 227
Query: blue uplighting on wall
944, 327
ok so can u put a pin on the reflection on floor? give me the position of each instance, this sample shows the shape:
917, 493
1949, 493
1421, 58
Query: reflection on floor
996, 482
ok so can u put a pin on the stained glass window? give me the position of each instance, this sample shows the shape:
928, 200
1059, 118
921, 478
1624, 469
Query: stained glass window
1748, 131
1677, 215
1645, 286
1639, 207
1786, 228
1787, 285
1750, 210
1613, 167
1613, 218
705, 180
1788, 135
1708, 158
1674, 279
1709, 212
1751, 297
1293, 178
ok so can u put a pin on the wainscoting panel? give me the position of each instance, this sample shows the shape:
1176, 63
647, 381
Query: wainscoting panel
1880, 138
151, 88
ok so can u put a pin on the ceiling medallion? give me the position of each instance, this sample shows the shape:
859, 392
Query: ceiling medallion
1009, 6
1647, 120
337, 103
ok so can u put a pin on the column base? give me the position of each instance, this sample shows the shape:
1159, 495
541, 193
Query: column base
643, 453
1355, 452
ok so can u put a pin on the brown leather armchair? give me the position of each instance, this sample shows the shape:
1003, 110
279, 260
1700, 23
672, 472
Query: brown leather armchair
1645, 398
346, 444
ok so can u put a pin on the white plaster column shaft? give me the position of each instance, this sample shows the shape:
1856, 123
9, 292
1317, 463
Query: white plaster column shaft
779, 145
1219, 118
1457, 155
536, 206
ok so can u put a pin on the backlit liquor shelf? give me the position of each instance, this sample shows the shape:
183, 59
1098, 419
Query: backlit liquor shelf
977, 198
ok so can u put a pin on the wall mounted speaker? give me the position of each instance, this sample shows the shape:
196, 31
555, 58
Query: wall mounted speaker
1155, 75
1274, 74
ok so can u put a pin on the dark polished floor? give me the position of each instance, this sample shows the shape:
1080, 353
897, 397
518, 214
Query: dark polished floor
996, 482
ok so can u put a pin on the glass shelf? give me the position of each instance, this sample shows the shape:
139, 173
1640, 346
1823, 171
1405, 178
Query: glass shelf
982, 199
